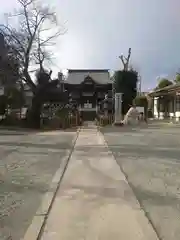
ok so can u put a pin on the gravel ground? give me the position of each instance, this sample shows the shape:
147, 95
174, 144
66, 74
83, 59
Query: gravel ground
28, 162
150, 158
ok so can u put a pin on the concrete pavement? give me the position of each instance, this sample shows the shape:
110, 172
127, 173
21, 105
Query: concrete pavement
28, 163
94, 200
150, 158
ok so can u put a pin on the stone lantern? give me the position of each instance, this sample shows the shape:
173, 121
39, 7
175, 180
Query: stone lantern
107, 105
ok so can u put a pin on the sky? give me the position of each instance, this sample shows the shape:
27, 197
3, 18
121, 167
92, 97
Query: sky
98, 31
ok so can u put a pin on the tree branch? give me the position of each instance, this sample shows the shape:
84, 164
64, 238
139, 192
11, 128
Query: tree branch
26, 40
125, 60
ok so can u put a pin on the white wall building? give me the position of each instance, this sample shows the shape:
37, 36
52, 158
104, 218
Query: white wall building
166, 102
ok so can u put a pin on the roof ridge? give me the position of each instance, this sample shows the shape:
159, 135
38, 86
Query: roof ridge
100, 76
89, 70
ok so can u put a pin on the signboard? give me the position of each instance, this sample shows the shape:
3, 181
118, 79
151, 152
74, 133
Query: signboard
88, 105
140, 109
88, 94
1, 91
28, 93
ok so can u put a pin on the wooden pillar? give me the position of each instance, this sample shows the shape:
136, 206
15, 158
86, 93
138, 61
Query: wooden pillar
161, 107
171, 106
174, 105
167, 106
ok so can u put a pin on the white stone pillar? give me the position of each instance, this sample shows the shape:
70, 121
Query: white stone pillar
118, 108
161, 115
1, 91
177, 112
155, 109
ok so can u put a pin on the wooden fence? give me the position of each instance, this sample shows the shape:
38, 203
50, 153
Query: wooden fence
61, 123
105, 120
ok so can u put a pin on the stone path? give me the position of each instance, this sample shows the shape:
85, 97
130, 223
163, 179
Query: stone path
94, 200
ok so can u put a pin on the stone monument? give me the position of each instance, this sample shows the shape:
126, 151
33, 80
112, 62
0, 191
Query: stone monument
131, 117
118, 109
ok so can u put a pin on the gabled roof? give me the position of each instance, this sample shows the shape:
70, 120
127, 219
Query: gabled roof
99, 76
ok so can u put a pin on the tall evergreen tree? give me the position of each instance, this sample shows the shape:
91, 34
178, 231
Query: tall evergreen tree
125, 82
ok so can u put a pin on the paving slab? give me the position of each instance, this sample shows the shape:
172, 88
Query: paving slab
94, 200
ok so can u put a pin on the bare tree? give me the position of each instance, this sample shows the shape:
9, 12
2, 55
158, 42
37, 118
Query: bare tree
29, 34
9, 67
125, 60
41, 54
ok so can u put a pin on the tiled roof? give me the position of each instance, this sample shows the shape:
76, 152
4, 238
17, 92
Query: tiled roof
77, 76
169, 88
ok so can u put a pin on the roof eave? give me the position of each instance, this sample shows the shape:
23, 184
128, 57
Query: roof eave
164, 91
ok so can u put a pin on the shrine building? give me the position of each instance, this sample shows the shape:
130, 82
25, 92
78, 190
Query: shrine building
88, 88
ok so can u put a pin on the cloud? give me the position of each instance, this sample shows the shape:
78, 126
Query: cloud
99, 31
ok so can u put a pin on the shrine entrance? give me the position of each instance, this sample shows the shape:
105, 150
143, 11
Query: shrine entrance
88, 115
88, 111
